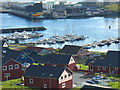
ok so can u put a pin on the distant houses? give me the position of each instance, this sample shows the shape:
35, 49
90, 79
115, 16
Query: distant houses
50, 70
48, 77
72, 50
109, 64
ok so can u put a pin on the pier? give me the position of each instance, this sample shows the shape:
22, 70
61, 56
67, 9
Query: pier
12, 30
87, 46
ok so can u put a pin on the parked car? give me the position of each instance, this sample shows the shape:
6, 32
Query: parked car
90, 82
99, 82
97, 77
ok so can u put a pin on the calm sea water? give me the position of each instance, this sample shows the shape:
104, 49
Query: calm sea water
96, 28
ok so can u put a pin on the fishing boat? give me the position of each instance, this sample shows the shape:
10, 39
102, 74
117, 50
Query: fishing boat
101, 44
87, 47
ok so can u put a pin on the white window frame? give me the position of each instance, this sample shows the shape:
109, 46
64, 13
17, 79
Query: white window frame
116, 69
54, 65
16, 66
45, 85
5, 68
61, 77
66, 76
10, 68
7, 75
99, 68
69, 75
104, 68
63, 85
31, 81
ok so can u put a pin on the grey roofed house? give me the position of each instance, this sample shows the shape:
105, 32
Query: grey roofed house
110, 60
28, 51
89, 61
11, 53
52, 59
71, 49
38, 58
57, 59
44, 71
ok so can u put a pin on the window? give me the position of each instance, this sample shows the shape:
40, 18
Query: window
45, 85
31, 81
16, 66
4, 67
99, 68
61, 77
63, 85
7, 75
69, 75
54, 65
65, 76
104, 68
10, 67
116, 69
23, 56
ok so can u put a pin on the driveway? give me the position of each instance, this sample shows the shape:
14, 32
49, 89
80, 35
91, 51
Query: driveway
78, 80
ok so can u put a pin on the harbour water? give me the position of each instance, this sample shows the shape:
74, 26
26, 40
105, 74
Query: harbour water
96, 28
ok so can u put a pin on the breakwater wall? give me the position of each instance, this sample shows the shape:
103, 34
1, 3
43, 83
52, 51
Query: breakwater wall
12, 30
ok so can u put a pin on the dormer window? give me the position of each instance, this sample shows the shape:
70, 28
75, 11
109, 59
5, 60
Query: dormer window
23, 56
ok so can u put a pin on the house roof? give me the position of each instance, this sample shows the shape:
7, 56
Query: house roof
28, 51
38, 49
70, 49
89, 61
44, 71
110, 60
6, 59
11, 54
37, 58
52, 59
57, 59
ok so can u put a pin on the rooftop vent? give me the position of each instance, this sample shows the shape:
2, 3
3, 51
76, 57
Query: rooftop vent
4, 51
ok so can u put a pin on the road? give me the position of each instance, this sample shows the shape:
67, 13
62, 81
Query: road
77, 80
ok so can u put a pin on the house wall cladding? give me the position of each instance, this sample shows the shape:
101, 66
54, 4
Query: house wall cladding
40, 82
108, 70
51, 83
68, 84
14, 73
72, 66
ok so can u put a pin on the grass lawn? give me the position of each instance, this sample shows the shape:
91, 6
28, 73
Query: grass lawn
114, 85
83, 67
76, 88
11, 84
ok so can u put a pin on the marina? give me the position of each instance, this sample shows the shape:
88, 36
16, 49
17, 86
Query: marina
62, 27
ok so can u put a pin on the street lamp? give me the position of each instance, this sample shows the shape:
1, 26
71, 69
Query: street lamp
50, 80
